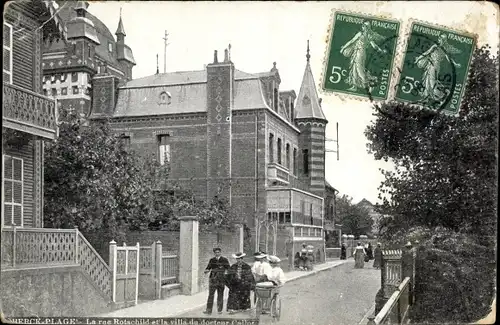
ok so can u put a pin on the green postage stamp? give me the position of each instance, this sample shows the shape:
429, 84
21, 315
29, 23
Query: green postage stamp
435, 67
360, 55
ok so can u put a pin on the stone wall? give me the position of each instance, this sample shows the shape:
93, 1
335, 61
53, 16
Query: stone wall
228, 241
51, 291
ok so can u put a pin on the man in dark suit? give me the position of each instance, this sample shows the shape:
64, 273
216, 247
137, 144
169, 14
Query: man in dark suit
217, 266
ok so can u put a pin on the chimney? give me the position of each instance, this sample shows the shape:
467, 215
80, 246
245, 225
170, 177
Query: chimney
226, 56
216, 59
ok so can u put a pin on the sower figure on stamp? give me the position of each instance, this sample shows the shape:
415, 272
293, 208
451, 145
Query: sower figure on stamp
431, 62
355, 50
217, 266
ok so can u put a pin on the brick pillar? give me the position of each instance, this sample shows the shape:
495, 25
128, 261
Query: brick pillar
220, 97
188, 255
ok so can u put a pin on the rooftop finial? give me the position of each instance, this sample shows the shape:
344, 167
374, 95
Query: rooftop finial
157, 67
120, 12
229, 50
308, 56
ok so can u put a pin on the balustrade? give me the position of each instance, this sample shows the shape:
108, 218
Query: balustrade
28, 247
30, 112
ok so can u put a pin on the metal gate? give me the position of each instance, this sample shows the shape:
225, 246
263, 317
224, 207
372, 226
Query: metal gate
125, 272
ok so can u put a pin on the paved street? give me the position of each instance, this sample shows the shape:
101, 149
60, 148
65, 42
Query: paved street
338, 296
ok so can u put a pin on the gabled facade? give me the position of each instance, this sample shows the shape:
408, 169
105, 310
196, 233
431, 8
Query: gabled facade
234, 135
28, 117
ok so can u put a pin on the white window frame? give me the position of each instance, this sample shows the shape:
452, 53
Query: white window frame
164, 150
4, 203
11, 53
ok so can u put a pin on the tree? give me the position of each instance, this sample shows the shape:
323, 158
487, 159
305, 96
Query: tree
355, 219
444, 177
93, 182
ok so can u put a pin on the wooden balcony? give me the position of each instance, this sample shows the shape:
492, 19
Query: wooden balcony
26, 111
278, 173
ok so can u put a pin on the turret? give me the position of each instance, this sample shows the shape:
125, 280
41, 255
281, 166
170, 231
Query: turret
311, 121
124, 53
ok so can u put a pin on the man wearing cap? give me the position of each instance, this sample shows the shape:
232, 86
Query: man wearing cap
217, 266
240, 281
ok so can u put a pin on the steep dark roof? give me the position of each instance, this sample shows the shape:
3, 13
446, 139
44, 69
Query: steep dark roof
67, 13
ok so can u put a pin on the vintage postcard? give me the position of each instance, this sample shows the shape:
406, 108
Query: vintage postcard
360, 56
249, 162
435, 68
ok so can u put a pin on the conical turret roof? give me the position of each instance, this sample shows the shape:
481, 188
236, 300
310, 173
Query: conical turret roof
308, 104
120, 30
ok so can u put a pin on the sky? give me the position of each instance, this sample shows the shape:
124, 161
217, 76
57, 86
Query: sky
261, 33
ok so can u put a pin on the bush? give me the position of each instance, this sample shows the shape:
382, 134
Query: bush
454, 277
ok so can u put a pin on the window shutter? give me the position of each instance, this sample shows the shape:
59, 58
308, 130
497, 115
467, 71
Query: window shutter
18, 217
8, 215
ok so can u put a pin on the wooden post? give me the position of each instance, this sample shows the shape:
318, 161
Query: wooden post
77, 261
13, 244
407, 263
112, 266
158, 268
137, 274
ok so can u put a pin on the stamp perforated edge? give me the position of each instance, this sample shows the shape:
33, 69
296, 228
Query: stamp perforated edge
324, 62
404, 48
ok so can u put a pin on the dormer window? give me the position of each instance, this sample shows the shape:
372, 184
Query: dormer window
110, 47
165, 98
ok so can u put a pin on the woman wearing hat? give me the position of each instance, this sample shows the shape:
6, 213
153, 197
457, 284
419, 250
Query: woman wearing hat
277, 275
240, 281
378, 256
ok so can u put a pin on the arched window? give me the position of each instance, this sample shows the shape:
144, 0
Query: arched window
287, 153
305, 155
165, 98
271, 147
276, 100
279, 151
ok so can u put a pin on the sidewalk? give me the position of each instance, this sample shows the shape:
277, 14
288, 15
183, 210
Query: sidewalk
178, 305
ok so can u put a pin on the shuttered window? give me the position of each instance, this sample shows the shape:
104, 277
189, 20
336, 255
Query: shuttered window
7, 53
164, 149
13, 191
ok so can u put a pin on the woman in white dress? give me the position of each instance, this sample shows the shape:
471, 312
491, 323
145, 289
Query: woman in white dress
355, 50
359, 256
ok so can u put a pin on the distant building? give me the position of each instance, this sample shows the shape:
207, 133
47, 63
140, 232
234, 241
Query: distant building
70, 66
373, 214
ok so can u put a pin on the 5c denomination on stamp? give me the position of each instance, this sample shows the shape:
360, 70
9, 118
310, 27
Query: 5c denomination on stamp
435, 67
360, 56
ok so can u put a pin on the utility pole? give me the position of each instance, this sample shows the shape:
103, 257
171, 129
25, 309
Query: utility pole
165, 52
